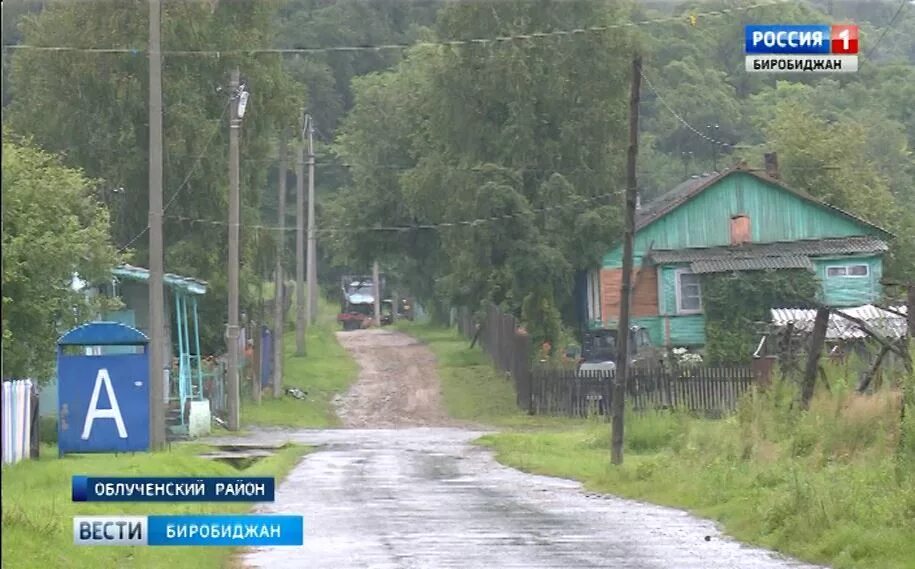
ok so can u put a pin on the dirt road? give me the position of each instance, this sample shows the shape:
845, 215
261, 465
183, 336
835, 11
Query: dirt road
397, 386
416, 497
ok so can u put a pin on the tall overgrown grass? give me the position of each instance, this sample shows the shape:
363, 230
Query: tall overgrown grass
834, 483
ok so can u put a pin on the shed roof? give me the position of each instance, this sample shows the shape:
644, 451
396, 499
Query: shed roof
691, 188
811, 247
885, 323
189, 285
757, 264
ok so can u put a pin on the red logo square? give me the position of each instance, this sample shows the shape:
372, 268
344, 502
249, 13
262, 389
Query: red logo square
844, 39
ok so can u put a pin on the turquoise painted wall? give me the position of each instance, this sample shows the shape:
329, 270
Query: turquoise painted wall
775, 215
850, 290
685, 330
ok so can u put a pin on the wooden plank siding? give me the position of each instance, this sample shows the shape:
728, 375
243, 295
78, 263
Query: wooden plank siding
774, 215
644, 293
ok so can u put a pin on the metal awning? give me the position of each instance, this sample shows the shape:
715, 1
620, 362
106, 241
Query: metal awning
187, 284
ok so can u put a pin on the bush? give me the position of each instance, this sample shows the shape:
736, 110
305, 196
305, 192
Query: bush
652, 430
47, 430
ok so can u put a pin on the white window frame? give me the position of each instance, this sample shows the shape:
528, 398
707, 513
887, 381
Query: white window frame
847, 268
680, 310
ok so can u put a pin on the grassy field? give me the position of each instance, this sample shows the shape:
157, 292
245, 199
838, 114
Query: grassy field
472, 390
828, 486
38, 512
326, 370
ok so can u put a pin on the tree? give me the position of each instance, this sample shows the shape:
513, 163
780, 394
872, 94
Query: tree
516, 148
91, 108
53, 228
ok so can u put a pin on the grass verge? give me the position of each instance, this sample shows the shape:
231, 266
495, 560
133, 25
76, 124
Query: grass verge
472, 389
828, 486
38, 512
326, 370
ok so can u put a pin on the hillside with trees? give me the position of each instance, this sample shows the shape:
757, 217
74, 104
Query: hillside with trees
519, 143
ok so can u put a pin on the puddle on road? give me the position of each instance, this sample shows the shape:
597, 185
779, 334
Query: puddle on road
240, 457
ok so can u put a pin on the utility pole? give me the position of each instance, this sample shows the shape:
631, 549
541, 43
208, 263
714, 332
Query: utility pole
234, 403
312, 244
157, 363
622, 366
300, 245
376, 285
279, 299
817, 340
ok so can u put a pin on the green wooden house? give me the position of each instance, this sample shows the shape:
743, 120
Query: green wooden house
736, 220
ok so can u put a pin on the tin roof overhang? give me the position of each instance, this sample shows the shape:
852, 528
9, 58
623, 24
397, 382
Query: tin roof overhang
760, 256
187, 284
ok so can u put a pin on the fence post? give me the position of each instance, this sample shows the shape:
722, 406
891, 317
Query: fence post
34, 442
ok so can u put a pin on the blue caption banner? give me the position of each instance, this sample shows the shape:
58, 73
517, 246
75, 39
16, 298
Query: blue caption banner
144, 489
782, 38
242, 530
233, 530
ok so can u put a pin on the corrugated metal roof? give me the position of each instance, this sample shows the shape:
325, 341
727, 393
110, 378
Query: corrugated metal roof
687, 190
187, 284
881, 321
756, 264
812, 247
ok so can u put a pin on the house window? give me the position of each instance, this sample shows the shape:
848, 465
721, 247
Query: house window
740, 229
689, 294
848, 271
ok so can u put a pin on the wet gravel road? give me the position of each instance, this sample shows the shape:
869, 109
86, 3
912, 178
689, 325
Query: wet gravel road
427, 498
405, 488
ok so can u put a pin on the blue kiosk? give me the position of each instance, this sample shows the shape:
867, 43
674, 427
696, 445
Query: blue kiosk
103, 398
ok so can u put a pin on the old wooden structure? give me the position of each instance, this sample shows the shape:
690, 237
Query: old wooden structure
736, 220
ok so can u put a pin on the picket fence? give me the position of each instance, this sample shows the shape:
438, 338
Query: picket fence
20, 415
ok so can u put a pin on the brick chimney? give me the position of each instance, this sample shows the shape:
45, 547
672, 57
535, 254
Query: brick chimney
771, 159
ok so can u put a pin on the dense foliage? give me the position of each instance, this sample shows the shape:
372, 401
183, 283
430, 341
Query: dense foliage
52, 228
92, 109
528, 137
735, 304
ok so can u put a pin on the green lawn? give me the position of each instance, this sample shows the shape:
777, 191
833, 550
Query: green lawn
38, 513
327, 369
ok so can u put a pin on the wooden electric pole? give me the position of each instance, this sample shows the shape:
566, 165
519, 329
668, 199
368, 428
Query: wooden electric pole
622, 366
157, 363
234, 403
376, 286
300, 306
817, 341
279, 288
312, 240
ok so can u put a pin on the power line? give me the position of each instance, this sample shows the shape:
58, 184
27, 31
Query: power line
683, 121
398, 46
184, 182
889, 26
580, 203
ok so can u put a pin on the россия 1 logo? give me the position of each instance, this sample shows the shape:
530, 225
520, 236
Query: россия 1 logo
801, 48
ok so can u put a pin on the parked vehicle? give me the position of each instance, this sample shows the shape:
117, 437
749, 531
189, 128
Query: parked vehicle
599, 350
357, 301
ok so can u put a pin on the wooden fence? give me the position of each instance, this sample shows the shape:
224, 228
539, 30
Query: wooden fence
509, 347
708, 390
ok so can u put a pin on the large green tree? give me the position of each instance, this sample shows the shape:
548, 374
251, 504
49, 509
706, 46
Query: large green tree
53, 228
496, 133
92, 109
